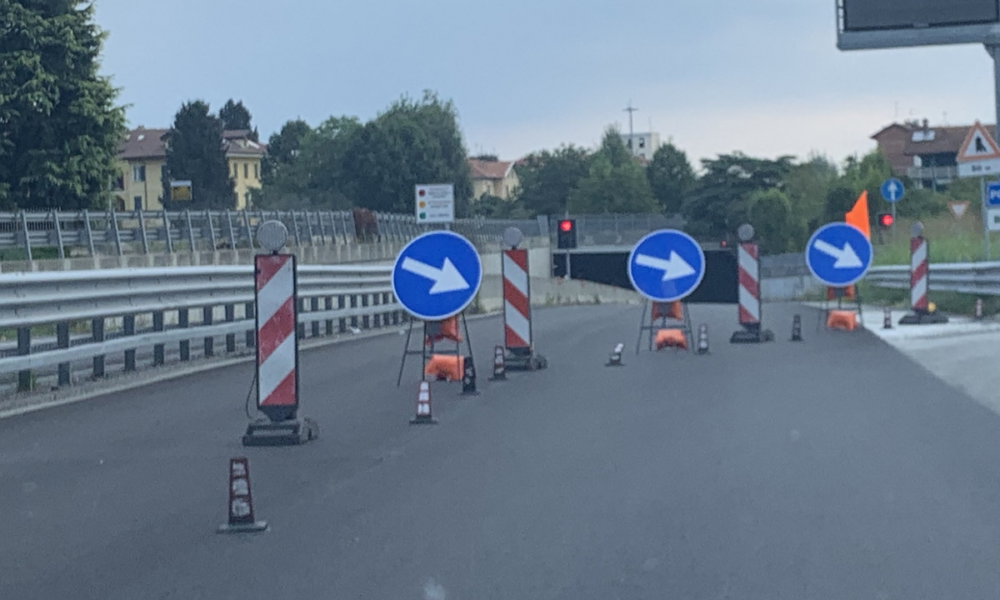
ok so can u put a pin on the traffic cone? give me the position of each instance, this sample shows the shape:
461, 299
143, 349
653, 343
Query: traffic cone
797, 328
979, 309
499, 366
469, 377
424, 415
241, 515
886, 317
615, 360
703, 338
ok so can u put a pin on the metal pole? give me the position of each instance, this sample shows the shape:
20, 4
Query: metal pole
892, 230
986, 226
994, 51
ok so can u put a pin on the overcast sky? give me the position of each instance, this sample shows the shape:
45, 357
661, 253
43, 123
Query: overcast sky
760, 76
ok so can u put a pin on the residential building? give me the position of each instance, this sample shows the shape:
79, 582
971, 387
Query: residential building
494, 177
141, 160
643, 145
143, 157
925, 154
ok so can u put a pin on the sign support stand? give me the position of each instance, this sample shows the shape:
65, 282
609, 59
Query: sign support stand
429, 347
661, 311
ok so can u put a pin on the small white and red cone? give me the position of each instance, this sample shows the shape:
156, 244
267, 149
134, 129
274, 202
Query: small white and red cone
241, 515
886, 317
979, 309
703, 338
499, 366
615, 360
424, 414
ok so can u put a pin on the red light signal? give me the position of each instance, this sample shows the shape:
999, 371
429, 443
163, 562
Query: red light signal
565, 226
566, 238
885, 220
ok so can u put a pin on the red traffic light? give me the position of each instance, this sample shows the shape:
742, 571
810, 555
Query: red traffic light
885, 220
566, 226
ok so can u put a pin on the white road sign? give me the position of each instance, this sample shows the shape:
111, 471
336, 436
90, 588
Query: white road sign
435, 203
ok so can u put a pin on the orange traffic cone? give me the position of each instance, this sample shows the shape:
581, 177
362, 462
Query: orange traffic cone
424, 415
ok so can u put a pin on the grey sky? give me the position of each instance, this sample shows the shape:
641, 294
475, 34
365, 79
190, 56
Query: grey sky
761, 76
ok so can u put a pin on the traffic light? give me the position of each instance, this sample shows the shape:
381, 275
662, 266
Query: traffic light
884, 220
566, 236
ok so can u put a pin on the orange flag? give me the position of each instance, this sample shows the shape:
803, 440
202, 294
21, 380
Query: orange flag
858, 216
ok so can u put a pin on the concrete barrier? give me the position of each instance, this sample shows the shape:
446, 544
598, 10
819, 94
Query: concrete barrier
554, 292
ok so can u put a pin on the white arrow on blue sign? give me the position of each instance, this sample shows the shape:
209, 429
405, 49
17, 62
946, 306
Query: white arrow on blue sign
838, 254
892, 190
666, 265
437, 275
993, 193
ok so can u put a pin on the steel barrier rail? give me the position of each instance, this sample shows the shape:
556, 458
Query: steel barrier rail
139, 309
965, 278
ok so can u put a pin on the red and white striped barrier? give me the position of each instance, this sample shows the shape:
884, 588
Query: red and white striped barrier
918, 274
277, 343
749, 276
516, 299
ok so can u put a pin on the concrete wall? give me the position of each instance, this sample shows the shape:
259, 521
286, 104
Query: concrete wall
781, 289
555, 292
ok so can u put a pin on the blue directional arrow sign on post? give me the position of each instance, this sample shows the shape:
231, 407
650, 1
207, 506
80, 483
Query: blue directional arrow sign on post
993, 193
666, 265
838, 254
892, 190
437, 275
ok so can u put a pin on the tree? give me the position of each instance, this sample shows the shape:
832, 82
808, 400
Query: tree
839, 200
670, 177
548, 177
615, 183
718, 203
412, 142
195, 153
770, 213
60, 130
236, 117
283, 148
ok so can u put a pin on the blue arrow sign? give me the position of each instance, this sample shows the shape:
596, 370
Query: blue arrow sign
437, 275
838, 254
892, 190
666, 265
993, 193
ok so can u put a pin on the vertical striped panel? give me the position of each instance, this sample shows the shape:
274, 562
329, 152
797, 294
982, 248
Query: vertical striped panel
277, 350
749, 276
516, 300
918, 273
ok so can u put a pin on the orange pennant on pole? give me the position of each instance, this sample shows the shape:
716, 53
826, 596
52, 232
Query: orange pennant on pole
858, 216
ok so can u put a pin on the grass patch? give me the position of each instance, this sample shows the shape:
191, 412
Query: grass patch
949, 241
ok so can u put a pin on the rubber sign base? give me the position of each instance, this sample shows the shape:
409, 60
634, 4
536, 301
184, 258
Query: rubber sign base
524, 359
754, 335
934, 318
293, 432
255, 527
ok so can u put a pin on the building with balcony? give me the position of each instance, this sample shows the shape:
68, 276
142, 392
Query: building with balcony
925, 154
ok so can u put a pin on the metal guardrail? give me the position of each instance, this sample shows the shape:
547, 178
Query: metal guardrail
118, 233
965, 278
80, 321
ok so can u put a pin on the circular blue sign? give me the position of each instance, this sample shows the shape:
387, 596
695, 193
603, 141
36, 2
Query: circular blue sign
437, 275
892, 190
666, 265
838, 254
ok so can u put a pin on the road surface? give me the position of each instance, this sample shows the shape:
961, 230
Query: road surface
834, 468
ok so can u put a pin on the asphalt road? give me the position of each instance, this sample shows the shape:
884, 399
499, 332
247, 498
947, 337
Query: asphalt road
831, 469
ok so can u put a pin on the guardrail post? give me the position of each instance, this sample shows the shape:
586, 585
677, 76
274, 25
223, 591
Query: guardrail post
190, 231
314, 307
354, 304
159, 350
207, 318
341, 305
183, 321
88, 232
230, 337
128, 322
166, 232
62, 342
97, 332
365, 320
59, 236
388, 316
328, 302
251, 336
377, 319
24, 378
27, 236
142, 231
211, 229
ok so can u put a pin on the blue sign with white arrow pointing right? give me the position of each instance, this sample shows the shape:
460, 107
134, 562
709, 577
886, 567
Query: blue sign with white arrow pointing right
437, 275
838, 254
993, 193
666, 265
